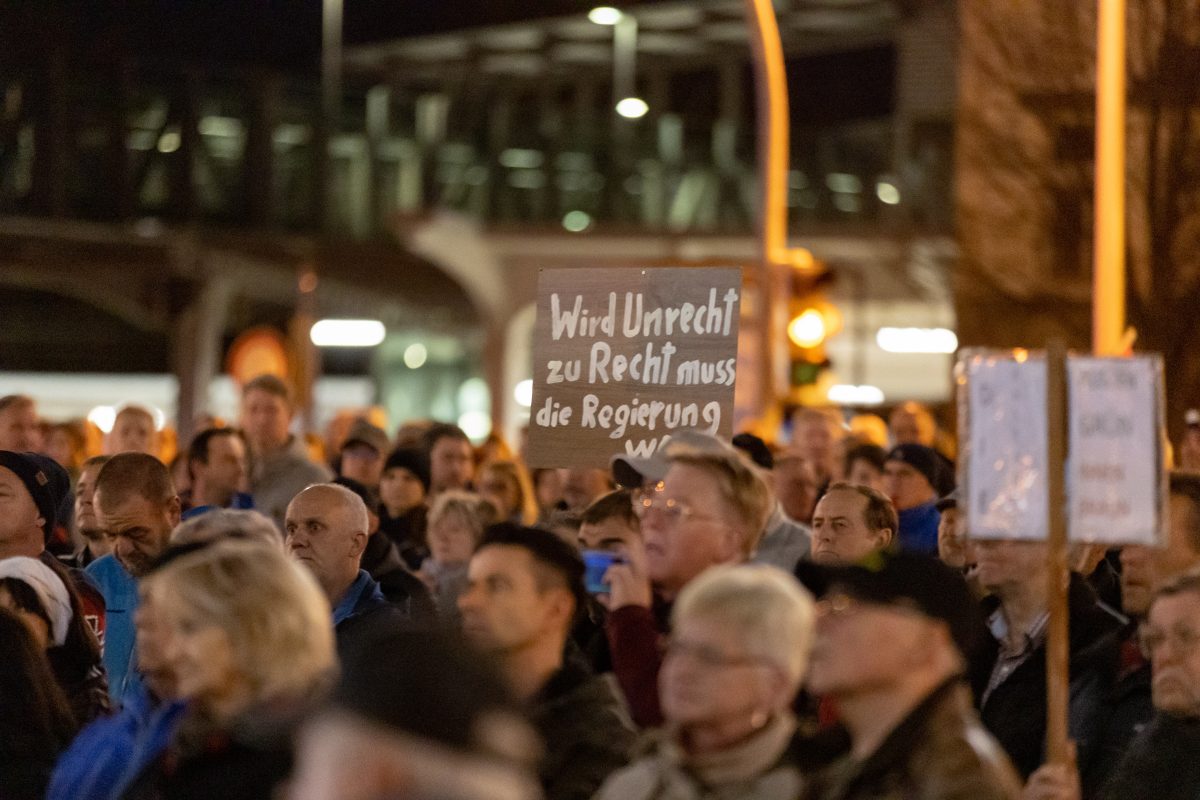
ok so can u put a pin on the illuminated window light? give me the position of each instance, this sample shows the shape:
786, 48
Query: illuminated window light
632, 108
605, 15
917, 340
845, 394
347, 333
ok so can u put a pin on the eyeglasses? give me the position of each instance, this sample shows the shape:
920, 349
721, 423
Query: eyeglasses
1183, 640
674, 510
707, 655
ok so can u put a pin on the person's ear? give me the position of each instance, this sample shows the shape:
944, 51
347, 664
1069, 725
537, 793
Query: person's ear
358, 543
174, 511
886, 537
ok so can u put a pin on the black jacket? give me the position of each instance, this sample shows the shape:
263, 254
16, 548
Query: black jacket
247, 759
400, 587
1015, 711
407, 532
1161, 763
586, 732
1128, 709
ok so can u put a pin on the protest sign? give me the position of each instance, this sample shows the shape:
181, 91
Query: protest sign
1114, 473
1113, 468
1004, 468
623, 357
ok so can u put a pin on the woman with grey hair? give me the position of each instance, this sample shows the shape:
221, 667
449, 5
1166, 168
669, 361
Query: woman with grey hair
733, 664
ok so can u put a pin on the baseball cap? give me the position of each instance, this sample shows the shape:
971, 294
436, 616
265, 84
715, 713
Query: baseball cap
907, 580
366, 433
632, 472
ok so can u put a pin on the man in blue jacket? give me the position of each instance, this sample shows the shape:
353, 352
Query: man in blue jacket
327, 528
137, 508
914, 477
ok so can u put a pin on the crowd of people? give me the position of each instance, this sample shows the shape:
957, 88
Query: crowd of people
416, 616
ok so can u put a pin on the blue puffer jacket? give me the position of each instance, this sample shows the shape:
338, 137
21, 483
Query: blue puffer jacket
112, 751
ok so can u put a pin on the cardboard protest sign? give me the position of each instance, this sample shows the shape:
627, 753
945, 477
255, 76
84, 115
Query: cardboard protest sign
1115, 486
623, 357
1004, 464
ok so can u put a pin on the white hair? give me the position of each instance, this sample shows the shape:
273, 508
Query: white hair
766, 607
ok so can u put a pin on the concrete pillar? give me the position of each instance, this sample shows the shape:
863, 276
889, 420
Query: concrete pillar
196, 350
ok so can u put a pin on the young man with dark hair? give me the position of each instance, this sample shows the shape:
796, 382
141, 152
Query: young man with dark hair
524, 589
217, 467
609, 523
451, 459
279, 464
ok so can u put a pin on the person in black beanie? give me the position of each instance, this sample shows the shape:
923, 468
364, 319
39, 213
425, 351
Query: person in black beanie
35, 487
403, 490
915, 477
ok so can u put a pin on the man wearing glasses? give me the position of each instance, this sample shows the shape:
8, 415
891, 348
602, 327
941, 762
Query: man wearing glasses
1161, 762
907, 709
708, 509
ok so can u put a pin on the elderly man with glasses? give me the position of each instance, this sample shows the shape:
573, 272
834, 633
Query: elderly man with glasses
708, 509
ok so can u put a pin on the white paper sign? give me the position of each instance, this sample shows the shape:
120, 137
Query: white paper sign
1006, 492
1113, 477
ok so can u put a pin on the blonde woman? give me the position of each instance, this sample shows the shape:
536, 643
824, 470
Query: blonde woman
733, 663
248, 639
456, 524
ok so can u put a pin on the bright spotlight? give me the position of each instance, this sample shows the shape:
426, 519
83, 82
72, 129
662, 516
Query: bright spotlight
347, 333
103, 418
632, 108
605, 15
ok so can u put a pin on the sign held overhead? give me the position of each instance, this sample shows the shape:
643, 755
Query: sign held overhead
624, 357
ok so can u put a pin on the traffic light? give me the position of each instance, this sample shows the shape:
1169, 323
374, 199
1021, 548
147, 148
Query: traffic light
812, 320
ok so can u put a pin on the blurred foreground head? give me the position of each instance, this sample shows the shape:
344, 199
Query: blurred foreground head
398, 728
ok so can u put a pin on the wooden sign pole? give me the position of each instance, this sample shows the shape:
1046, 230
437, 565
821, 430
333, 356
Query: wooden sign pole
1058, 633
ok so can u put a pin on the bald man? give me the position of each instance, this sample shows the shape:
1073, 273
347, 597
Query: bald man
327, 528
